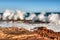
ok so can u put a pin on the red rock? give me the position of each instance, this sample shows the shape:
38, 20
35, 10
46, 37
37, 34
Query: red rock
39, 33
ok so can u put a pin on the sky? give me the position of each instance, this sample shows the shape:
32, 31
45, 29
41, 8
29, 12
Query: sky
31, 5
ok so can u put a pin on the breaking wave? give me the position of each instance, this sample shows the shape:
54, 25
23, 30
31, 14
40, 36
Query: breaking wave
53, 18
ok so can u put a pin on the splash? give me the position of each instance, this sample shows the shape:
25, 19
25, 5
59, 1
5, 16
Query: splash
32, 15
13, 15
6, 14
42, 17
20, 14
54, 18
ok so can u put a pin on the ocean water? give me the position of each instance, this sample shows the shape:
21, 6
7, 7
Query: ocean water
37, 13
52, 26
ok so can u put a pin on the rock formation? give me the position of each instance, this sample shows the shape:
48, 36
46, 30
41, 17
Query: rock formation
38, 33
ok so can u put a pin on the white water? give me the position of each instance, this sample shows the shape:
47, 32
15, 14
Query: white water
52, 26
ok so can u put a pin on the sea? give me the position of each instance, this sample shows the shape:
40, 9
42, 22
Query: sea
52, 26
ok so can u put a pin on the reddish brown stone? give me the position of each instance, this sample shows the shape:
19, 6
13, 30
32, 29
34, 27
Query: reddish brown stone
39, 33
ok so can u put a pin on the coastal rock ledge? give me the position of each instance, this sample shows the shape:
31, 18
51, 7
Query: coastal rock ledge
38, 33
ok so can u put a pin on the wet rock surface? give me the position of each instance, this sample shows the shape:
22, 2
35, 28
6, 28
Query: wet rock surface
38, 33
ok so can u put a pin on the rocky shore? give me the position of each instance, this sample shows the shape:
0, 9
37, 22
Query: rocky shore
38, 33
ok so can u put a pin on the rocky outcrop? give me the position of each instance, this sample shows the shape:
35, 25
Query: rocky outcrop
14, 30
38, 33
44, 32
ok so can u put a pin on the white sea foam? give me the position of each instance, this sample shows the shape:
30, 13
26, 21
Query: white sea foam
30, 26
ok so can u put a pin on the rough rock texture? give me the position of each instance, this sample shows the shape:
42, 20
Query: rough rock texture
38, 33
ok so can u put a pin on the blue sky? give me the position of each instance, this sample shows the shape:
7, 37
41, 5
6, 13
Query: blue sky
31, 5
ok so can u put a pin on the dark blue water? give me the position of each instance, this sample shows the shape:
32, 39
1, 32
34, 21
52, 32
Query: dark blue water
47, 14
37, 13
